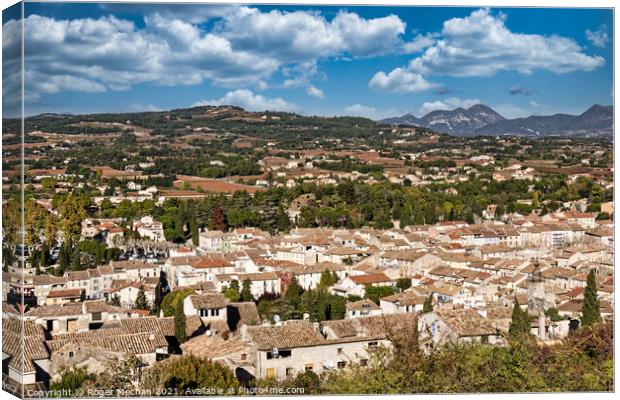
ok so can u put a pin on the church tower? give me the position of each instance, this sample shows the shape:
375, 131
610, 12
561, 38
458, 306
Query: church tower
536, 298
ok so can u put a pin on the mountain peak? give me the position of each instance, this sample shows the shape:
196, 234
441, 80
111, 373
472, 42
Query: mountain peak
599, 108
482, 119
457, 121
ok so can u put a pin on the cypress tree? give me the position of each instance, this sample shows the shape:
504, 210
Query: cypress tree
193, 226
180, 323
43, 256
326, 279
428, 304
246, 291
63, 258
283, 223
322, 305
160, 291
141, 302
590, 313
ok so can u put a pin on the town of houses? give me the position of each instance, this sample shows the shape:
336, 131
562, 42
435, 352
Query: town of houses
472, 272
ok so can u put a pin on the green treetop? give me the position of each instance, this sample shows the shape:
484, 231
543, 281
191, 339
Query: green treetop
141, 302
520, 324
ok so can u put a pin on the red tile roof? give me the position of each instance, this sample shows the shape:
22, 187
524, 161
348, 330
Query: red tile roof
370, 278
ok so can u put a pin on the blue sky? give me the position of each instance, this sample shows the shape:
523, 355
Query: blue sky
368, 61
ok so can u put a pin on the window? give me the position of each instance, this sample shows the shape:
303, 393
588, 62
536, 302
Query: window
363, 362
341, 364
244, 356
279, 354
70, 354
309, 367
373, 345
484, 339
215, 312
289, 371
203, 313
271, 373
340, 350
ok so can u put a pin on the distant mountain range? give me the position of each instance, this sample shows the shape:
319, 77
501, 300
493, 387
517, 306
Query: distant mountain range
483, 120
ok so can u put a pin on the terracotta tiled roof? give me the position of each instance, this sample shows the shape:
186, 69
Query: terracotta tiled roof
23, 346
467, 322
63, 310
213, 347
60, 293
369, 278
134, 335
209, 300
369, 328
131, 264
364, 304
139, 343
287, 336
211, 263
45, 279
91, 306
406, 298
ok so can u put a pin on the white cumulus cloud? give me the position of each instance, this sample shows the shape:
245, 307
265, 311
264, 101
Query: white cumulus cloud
249, 101
95, 55
315, 92
599, 38
302, 36
360, 110
420, 42
481, 45
243, 47
400, 80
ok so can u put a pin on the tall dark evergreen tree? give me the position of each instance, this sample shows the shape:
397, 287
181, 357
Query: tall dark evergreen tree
180, 323
161, 290
428, 304
141, 302
193, 225
64, 258
283, 223
246, 291
590, 313
327, 279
